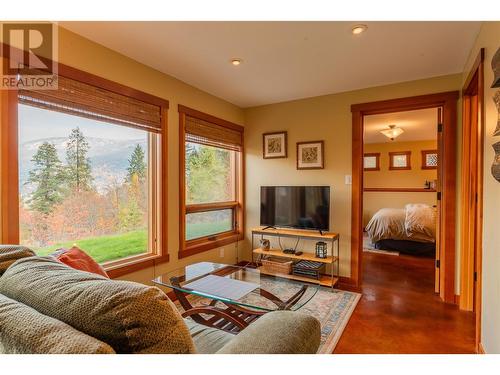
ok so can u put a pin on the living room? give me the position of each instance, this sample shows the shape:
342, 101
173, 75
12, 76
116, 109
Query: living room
221, 188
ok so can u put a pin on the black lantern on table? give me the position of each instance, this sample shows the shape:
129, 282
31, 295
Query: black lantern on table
321, 249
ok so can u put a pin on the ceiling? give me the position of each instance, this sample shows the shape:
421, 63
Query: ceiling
284, 61
418, 125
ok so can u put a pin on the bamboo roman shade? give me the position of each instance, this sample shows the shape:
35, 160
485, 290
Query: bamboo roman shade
211, 134
81, 99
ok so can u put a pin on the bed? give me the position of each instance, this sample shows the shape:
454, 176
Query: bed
409, 230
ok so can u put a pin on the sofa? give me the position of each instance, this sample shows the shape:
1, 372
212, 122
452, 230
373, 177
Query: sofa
48, 307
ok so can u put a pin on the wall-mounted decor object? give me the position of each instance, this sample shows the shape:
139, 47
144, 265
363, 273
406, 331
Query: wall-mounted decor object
495, 167
274, 145
429, 159
400, 160
495, 65
310, 155
371, 161
496, 99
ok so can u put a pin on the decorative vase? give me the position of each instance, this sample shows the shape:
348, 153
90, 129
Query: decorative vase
496, 99
495, 167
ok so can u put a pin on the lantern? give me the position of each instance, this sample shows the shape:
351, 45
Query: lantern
321, 249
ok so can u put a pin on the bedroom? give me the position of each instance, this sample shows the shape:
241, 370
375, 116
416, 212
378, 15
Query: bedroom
400, 182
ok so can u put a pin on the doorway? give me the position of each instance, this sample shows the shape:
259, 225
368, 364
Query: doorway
400, 175
472, 191
446, 106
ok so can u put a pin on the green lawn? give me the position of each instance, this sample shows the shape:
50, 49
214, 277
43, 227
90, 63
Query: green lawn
206, 229
106, 248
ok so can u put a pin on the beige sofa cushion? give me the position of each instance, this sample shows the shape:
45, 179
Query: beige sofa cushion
23, 330
10, 253
207, 340
131, 317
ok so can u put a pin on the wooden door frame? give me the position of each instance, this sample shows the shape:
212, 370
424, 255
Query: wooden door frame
448, 101
472, 202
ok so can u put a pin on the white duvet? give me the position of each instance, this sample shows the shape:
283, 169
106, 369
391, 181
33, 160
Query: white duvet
415, 222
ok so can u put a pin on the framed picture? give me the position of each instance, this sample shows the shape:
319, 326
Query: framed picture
310, 155
429, 159
400, 160
371, 161
274, 145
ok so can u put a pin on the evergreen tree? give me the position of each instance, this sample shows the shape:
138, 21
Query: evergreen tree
79, 171
137, 165
48, 175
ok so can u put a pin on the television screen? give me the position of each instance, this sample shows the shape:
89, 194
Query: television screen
303, 207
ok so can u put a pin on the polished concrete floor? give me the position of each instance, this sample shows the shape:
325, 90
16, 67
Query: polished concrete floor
400, 313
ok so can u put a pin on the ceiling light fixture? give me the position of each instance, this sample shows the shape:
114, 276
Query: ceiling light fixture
358, 29
392, 132
236, 62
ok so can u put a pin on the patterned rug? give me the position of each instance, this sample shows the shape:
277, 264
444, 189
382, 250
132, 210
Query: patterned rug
333, 308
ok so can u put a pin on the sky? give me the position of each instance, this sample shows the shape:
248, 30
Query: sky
36, 123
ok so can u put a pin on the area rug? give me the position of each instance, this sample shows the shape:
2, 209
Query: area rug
332, 307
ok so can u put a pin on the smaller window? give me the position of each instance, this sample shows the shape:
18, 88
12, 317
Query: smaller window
372, 161
400, 160
429, 159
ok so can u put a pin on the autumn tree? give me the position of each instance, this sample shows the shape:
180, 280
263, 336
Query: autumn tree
137, 165
79, 171
48, 176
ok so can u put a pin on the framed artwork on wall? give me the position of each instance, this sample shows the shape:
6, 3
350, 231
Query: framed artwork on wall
429, 159
371, 161
274, 145
310, 155
400, 160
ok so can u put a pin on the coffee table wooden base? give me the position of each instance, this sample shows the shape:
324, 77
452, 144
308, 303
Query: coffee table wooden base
231, 318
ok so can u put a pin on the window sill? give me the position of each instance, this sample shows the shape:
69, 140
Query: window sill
124, 266
198, 246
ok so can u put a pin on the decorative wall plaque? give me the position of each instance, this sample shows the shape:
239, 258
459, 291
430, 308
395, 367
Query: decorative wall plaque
496, 99
495, 167
495, 65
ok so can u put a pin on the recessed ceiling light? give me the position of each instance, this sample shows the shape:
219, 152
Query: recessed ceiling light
358, 29
236, 62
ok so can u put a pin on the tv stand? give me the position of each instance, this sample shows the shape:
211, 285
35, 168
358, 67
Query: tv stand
333, 260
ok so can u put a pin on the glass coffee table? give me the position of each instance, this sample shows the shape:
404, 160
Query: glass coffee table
231, 297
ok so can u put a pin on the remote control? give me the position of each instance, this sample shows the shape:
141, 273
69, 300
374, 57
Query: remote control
299, 253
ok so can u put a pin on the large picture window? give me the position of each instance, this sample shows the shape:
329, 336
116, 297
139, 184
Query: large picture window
91, 165
211, 185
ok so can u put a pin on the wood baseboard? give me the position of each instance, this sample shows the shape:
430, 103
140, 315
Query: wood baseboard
346, 283
480, 349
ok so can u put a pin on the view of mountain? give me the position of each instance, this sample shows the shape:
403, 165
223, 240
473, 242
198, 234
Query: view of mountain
108, 157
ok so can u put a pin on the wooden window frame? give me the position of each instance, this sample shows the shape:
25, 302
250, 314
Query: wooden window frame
392, 167
424, 159
10, 192
206, 243
377, 158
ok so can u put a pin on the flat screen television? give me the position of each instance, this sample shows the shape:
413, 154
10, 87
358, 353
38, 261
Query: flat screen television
301, 207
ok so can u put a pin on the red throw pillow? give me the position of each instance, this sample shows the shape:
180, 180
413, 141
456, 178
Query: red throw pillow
80, 260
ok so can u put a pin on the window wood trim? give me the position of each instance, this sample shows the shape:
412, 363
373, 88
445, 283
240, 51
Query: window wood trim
398, 153
206, 243
9, 152
424, 159
377, 161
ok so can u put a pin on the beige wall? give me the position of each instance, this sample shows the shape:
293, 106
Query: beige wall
327, 118
83, 54
414, 178
489, 38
